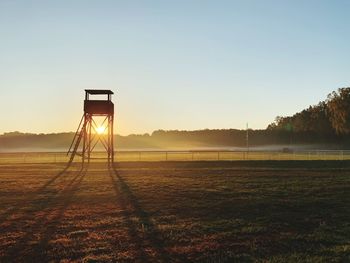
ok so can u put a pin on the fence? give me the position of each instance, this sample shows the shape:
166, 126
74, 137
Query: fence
120, 156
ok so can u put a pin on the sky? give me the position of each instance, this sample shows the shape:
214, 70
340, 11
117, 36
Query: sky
183, 64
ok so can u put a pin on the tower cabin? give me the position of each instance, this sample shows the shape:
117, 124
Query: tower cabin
98, 107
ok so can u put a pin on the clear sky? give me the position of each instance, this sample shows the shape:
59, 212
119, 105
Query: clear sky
172, 64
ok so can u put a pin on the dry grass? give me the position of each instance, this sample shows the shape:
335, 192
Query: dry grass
176, 212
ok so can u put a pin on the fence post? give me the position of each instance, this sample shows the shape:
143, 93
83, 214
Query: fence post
218, 156
192, 156
166, 156
139, 156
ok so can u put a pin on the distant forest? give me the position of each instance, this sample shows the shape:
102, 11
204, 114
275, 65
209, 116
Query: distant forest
327, 123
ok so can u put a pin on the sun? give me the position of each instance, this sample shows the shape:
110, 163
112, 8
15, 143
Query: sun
100, 129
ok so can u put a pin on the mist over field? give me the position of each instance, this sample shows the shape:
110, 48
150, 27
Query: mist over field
233, 140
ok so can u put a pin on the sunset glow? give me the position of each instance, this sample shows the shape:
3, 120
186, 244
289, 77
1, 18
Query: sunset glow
100, 129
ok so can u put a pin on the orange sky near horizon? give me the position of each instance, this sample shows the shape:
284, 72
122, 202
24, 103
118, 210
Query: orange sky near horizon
184, 65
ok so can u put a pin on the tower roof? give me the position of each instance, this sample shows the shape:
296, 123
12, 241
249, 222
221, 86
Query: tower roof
99, 91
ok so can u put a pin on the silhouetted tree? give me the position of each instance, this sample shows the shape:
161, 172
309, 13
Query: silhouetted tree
338, 104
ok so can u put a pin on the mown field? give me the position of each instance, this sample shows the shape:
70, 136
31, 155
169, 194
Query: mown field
242, 211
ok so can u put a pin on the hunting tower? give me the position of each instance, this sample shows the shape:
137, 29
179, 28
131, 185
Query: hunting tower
88, 133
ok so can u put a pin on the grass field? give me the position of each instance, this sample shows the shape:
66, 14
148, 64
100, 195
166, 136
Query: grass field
252, 211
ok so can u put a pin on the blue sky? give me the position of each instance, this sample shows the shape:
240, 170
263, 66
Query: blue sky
172, 64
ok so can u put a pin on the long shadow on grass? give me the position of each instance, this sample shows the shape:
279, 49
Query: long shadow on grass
44, 225
65, 199
132, 229
32, 196
152, 235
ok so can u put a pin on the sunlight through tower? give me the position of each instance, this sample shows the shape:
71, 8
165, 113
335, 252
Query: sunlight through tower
89, 133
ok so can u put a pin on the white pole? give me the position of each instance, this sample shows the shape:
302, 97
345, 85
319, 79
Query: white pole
247, 138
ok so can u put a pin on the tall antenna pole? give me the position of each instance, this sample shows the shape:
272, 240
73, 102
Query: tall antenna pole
247, 137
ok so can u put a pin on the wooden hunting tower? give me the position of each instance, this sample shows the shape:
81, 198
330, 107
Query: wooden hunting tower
87, 135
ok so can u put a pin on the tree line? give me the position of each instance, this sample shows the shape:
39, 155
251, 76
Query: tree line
329, 120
